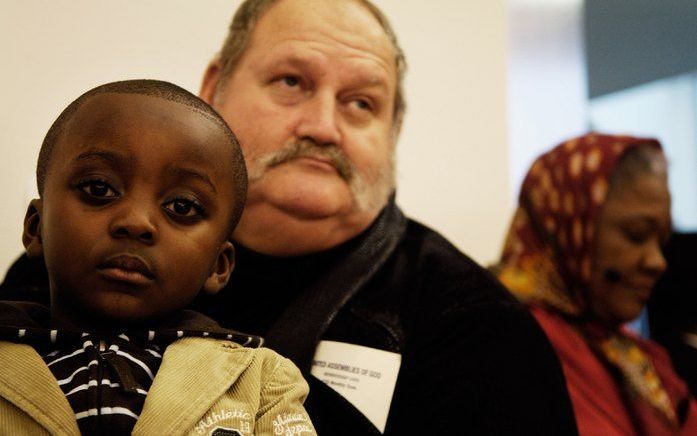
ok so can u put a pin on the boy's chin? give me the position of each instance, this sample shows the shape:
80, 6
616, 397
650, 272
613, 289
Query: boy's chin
110, 316
131, 319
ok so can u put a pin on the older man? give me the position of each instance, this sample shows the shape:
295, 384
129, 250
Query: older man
395, 329
328, 265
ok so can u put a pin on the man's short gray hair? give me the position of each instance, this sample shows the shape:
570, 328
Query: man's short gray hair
249, 13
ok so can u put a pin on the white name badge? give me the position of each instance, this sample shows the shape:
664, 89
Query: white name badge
365, 376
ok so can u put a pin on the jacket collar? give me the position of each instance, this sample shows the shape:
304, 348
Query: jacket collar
27, 383
195, 373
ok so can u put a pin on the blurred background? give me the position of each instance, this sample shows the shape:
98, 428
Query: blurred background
491, 84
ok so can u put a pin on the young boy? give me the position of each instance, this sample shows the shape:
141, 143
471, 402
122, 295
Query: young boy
140, 185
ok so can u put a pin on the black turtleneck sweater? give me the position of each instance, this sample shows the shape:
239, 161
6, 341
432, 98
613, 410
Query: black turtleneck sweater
262, 287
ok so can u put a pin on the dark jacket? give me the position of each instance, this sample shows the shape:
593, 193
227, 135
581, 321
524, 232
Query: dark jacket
473, 360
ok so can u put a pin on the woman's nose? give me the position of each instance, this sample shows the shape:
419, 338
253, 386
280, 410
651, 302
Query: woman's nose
654, 260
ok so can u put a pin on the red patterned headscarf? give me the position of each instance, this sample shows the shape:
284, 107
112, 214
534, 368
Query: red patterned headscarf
548, 253
553, 231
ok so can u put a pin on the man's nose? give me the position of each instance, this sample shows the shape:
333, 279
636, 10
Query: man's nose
135, 221
319, 119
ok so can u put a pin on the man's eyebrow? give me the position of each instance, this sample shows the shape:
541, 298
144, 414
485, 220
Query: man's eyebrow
183, 172
362, 75
370, 81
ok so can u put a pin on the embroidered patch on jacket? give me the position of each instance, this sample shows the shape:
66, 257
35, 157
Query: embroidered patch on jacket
221, 431
239, 420
290, 424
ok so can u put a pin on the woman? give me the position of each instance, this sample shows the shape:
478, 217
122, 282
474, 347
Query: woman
583, 252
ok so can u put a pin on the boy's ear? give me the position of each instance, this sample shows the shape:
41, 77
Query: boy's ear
220, 274
31, 235
209, 85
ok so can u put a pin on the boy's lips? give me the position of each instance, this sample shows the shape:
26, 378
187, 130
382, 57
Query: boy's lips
127, 268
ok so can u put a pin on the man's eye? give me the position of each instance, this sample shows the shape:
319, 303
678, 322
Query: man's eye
184, 208
290, 81
97, 189
363, 104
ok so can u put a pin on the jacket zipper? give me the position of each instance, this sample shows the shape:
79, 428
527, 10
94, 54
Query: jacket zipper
100, 371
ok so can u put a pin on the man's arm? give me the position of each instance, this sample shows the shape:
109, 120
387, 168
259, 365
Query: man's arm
26, 280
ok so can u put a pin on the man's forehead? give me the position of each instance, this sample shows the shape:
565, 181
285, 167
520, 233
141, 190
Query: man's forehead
344, 23
296, 12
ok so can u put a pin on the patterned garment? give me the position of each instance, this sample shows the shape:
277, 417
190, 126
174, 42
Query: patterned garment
107, 377
547, 256
105, 381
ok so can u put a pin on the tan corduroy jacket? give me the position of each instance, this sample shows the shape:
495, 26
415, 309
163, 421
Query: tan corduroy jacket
203, 387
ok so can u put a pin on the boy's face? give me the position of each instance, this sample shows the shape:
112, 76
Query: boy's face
134, 217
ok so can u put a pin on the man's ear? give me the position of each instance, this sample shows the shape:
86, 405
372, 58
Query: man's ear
209, 85
220, 274
31, 235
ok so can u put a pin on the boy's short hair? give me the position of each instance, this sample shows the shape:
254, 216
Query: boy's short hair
155, 88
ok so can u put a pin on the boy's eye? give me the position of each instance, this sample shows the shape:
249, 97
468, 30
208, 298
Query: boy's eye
182, 207
97, 189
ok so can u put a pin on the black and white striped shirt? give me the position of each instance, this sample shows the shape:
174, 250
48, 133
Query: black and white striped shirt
105, 380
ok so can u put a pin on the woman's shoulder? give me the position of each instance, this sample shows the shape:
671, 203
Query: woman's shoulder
557, 327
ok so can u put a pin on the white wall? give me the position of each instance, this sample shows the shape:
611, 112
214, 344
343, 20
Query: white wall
453, 154
452, 170
665, 109
547, 85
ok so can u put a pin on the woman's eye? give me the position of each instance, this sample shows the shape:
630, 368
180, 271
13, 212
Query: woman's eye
637, 236
97, 189
184, 208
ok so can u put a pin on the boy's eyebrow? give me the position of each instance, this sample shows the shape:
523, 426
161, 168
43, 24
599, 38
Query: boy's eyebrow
112, 158
121, 161
189, 173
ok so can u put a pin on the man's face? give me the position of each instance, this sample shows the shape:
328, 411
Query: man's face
634, 225
135, 210
311, 101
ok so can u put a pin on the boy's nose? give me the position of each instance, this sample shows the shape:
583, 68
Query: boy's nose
134, 223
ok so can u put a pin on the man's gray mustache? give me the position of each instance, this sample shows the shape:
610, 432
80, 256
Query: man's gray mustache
309, 148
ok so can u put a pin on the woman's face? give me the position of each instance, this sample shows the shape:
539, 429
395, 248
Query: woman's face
633, 227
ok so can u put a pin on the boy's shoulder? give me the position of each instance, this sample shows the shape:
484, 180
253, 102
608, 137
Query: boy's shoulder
268, 364
232, 386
